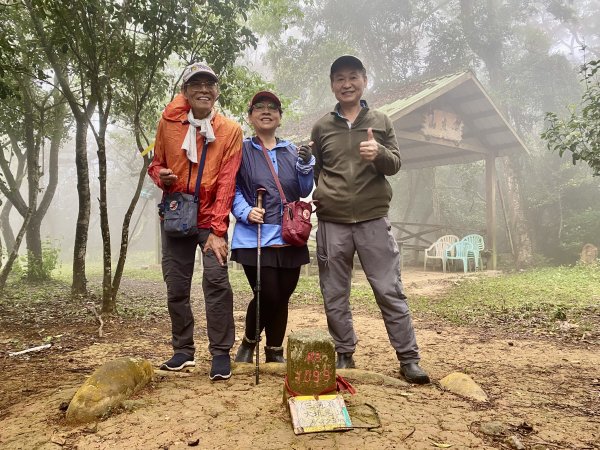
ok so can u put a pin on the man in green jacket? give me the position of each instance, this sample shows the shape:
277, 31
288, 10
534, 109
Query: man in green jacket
355, 149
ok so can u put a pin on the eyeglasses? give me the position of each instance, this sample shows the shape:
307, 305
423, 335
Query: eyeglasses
262, 106
199, 85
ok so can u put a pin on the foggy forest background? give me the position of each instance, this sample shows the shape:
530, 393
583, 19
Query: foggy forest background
83, 85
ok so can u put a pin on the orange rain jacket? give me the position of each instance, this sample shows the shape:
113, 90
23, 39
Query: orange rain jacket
222, 163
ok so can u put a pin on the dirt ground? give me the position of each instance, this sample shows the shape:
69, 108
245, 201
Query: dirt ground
545, 391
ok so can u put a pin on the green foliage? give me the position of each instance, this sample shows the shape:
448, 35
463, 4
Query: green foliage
534, 298
447, 50
579, 229
238, 85
274, 17
561, 197
42, 271
114, 55
387, 37
578, 134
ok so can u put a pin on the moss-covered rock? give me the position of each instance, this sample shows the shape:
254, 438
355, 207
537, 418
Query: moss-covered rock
462, 384
111, 384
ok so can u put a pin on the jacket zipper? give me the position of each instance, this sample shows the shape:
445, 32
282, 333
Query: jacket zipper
352, 171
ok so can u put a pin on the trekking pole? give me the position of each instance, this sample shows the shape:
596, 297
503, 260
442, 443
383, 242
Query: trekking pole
259, 203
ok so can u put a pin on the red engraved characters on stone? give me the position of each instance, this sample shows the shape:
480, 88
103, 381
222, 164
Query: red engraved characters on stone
313, 357
316, 375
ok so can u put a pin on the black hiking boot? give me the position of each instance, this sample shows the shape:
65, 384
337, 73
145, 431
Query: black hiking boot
246, 351
274, 354
414, 374
345, 361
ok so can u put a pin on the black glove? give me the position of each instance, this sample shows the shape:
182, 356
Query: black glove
305, 153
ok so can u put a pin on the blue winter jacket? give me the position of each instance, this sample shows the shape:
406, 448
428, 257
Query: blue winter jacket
296, 179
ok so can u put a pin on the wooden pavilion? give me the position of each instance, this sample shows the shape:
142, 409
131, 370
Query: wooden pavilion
452, 120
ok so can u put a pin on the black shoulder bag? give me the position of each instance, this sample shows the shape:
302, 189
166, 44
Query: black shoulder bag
180, 210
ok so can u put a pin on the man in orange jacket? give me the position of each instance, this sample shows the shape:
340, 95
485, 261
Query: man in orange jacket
187, 123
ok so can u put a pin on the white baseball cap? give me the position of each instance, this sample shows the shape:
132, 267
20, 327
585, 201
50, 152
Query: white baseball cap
198, 68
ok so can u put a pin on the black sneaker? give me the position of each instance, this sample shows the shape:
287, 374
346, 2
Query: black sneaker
178, 362
220, 368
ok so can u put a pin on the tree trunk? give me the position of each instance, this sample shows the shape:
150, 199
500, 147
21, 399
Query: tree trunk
125, 231
79, 284
426, 192
36, 269
108, 304
7, 231
108, 301
412, 189
33, 239
15, 251
127, 219
518, 221
34, 244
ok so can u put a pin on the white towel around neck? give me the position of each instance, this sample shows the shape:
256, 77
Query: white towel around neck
206, 130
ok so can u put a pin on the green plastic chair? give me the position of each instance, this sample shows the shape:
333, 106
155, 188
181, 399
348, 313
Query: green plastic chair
462, 251
478, 245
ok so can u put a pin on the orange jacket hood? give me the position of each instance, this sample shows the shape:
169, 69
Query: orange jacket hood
177, 110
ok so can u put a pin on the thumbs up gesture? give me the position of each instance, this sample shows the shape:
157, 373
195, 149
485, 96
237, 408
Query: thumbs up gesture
369, 148
305, 152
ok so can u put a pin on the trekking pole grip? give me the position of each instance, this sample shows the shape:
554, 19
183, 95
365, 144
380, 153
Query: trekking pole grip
259, 197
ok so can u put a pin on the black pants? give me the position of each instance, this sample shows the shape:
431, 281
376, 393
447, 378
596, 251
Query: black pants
178, 259
277, 286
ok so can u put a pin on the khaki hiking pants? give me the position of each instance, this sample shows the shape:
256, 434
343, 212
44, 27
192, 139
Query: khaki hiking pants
380, 260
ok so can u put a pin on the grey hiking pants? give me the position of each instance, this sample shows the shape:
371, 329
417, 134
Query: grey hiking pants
178, 259
380, 259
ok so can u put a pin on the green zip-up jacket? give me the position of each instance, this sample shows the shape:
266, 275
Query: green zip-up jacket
350, 189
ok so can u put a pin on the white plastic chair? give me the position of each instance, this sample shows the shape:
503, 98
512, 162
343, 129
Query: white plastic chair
437, 250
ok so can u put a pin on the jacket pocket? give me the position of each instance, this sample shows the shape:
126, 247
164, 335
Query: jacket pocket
322, 257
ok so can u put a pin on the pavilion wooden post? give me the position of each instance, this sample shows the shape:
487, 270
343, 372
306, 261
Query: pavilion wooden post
490, 204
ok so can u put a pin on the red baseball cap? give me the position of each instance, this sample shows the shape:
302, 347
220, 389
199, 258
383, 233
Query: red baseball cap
265, 95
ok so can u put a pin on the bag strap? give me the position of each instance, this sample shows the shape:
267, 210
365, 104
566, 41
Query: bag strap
272, 169
189, 175
200, 171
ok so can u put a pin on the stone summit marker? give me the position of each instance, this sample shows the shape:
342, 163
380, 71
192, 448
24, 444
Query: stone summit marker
315, 405
310, 362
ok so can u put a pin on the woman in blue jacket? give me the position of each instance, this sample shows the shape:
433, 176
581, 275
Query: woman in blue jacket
280, 262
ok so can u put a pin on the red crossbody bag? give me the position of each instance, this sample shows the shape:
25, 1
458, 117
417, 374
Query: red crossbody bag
295, 222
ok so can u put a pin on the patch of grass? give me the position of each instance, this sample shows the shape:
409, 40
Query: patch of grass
540, 296
138, 266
